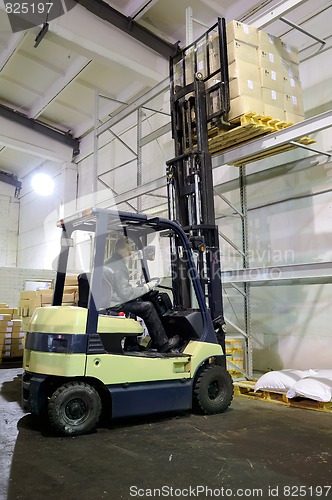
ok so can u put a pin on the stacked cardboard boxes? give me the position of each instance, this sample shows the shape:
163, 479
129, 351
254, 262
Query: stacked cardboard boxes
264, 75
263, 72
30, 300
11, 334
244, 86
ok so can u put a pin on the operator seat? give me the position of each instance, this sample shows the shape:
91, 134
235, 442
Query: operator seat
84, 290
101, 342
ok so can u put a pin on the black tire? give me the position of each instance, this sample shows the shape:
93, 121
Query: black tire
213, 390
74, 408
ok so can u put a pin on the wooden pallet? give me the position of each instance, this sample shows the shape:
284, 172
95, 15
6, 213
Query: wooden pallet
248, 127
246, 389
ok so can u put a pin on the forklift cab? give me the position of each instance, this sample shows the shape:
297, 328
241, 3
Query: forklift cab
160, 252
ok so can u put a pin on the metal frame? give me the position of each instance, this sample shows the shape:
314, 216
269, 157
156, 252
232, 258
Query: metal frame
138, 106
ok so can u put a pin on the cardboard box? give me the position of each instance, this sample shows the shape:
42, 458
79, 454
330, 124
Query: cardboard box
18, 335
17, 350
24, 312
242, 69
268, 42
5, 317
290, 53
214, 52
5, 354
292, 118
48, 298
178, 74
273, 98
214, 102
290, 70
6, 330
5, 323
244, 104
189, 65
292, 86
235, 30
71, 279
270, 60
274, 112
241, 51
6, 345
246, 87
293, 104
201, 57
7, 310
5, 336
23, 303
27, 294
271, 79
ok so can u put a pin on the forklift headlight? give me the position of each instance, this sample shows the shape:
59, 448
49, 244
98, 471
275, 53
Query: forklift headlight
58, 344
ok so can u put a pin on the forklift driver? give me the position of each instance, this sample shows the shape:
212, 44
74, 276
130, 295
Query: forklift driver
129, 299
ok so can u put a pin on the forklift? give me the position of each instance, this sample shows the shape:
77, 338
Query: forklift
76, 368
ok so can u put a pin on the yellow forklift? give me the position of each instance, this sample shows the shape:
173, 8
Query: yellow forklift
74, 359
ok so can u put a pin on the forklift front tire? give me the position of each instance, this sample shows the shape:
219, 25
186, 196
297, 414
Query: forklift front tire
74, 408
213, 390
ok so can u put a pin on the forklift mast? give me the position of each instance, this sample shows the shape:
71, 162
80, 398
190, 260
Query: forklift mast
199, 95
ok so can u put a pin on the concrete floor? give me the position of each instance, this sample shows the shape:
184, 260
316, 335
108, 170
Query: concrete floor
255, 449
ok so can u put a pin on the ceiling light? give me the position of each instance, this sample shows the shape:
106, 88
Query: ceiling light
42, 184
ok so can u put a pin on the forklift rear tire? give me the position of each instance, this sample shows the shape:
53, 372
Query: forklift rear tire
74, 408
213, 390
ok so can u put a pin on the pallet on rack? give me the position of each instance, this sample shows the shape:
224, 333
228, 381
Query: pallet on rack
249, 127
246, 389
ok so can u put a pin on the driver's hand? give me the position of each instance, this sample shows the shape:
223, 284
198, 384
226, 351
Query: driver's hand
150, 285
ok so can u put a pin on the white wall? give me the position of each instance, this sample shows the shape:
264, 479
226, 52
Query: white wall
13, 281
39, 237
9, 217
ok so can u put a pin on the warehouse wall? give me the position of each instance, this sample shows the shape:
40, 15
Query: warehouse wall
13, 280
289, 222
39, 237
9, 216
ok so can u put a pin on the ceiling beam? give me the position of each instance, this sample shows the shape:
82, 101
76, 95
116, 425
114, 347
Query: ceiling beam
56, 88
269, 16
137, 8
13, 45
25, 123
132, 28
98, 40
10, 179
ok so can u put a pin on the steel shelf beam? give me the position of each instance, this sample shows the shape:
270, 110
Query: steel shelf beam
274, 140
310, 273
